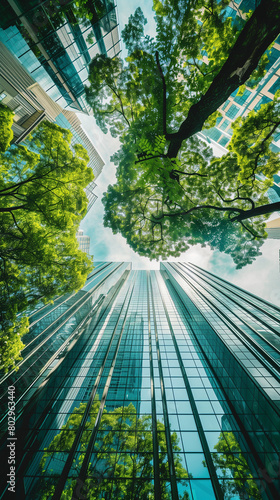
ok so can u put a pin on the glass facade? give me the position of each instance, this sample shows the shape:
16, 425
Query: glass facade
148, 385
84, 241
55, 41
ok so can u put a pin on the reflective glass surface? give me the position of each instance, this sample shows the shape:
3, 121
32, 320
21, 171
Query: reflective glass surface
150, 400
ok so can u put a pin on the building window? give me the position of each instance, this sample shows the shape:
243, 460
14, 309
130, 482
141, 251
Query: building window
274, 87
232, 111
224, 141
225, 124
263, 100
272, 55
240, 99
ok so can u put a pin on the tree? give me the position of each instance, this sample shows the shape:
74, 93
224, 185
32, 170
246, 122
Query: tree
235, 471
170, 192
42, 202
6, 121
121, 453
197, 198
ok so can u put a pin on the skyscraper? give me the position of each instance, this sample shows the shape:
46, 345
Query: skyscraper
84, 241
148, 385
56, 40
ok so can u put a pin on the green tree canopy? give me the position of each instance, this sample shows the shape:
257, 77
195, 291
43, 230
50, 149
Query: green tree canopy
124, 451
170, 193
162, 205
6, 122
42, 202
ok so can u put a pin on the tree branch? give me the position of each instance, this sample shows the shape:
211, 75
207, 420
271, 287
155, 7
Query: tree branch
258, 33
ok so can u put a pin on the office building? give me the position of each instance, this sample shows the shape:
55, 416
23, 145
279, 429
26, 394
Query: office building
56, 40
15, 92
68, 119
148, 385
84, 241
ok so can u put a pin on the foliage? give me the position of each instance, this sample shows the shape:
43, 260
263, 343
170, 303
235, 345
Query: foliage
42, 203
254, 155
238, 479
165, 205
11, 344
170, 193
124, 451
6, 122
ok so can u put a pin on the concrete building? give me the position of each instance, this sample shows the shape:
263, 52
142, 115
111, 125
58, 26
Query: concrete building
273, 229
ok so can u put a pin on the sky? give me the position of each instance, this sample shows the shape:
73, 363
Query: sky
261, 278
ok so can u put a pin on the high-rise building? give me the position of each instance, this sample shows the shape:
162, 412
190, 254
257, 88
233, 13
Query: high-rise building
15, 92
68, 119
147, 385
55, 40
83, 240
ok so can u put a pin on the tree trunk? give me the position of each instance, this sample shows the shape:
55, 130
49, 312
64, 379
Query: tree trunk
255, 212
258, 33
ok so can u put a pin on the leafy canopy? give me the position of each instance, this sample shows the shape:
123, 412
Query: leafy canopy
6, 121
162, 205
42, 202
171, 192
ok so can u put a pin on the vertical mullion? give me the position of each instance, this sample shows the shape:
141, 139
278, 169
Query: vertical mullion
63, 477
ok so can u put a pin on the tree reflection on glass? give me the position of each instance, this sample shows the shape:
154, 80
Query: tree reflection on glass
234, 469
122, 460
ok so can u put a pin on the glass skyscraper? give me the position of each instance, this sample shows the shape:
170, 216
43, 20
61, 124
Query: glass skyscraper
55, 40
147, 385
84, 241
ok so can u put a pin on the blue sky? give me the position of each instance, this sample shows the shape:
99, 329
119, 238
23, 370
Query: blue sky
261, 278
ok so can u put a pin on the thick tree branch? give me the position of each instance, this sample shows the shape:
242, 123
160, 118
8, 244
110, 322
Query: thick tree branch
10, 209
242, 214
257, 35
255, 212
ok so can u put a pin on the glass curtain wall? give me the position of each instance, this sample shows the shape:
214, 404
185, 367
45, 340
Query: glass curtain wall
56, 40
144, 404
